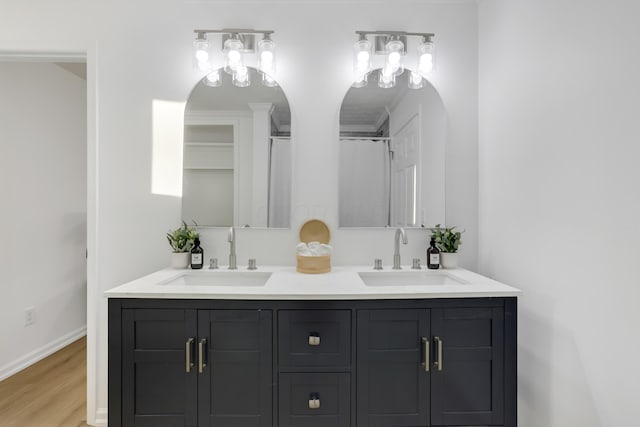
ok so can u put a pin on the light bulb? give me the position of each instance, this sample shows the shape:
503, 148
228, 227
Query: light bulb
205, 67
360, 81
202, 55
362, 56
213, 79
425, 53
232, 54
425, 67
394, 58
387, 78
266, 55
201, 49
415, 80
395, 49
241, 76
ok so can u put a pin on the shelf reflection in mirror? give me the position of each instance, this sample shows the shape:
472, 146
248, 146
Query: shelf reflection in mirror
237, 155
392, 155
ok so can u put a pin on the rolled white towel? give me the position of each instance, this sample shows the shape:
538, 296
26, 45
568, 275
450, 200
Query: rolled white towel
313, 249
302, 249
324, 249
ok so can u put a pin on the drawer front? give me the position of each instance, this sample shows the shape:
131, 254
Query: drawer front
314, 338
314, 400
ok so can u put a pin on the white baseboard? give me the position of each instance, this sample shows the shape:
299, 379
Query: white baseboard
40, 353
101, 418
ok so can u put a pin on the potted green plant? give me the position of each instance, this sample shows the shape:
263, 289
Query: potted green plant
181, 241
447, 241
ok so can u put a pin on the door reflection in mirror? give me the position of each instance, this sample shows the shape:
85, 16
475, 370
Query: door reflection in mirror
392, 156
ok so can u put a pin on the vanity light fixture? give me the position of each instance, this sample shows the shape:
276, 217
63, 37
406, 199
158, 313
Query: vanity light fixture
232, 54
390, 55
201, 48
425, 55
361, 60
239, 51
395, 50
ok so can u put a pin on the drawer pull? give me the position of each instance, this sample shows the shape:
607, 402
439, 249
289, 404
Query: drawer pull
314, 338
202, 361
187, 353
314, 401
425, 353
438, 361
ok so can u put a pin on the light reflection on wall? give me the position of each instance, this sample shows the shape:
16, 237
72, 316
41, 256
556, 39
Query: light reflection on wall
166, 167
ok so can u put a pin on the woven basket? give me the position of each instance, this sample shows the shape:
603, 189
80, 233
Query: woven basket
314, 230
313, 264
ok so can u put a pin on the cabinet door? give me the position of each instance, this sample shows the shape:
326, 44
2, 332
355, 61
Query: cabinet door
467, 377
392, 380
235, 386
157, 390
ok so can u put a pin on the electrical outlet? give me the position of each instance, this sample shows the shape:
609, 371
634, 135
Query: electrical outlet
29, 316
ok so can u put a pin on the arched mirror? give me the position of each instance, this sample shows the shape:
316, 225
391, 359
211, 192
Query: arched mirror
392, 155
237, 155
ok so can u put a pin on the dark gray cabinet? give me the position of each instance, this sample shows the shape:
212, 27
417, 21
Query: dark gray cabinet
188, 367
373, 363
438, 367
393, 387
314, 365
156, 390
467, 376
235, 386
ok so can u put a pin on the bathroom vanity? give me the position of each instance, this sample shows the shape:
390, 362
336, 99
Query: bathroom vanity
279, 348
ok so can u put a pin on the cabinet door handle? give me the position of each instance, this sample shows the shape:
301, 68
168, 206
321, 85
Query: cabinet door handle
187, 351
314, 401
438, 362
314, 338
425, 353
202, 361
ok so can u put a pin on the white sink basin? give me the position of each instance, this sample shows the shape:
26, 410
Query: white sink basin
220, 278
409, 278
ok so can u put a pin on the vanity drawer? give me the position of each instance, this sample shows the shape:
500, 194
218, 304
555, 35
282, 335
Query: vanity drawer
314, 400
314, 338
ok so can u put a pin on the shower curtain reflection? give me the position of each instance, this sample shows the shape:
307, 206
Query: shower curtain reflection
279, 182
364, 182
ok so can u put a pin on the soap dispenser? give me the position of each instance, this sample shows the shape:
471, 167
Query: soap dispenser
197, 255
433, 255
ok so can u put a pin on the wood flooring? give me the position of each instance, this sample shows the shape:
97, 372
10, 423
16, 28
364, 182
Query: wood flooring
50, 393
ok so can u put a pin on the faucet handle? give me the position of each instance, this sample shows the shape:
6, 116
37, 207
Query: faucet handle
213, 263
252, 264
377, 264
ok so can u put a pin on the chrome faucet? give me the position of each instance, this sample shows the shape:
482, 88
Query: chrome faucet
232, 250
396, 246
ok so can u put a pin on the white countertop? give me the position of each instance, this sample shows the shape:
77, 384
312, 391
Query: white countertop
284, 283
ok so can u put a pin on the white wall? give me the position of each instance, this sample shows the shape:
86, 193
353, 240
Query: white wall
141, 53
559, 200
43, 215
